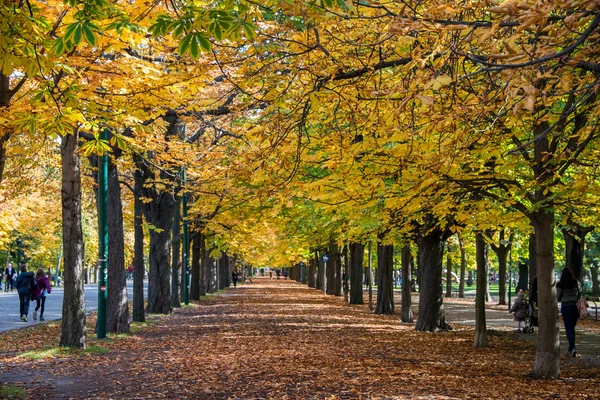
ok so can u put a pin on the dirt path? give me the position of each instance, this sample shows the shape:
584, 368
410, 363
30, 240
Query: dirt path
279, 339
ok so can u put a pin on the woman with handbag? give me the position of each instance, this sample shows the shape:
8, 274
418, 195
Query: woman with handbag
568, 294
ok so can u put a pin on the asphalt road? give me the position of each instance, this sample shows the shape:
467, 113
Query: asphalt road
9, 306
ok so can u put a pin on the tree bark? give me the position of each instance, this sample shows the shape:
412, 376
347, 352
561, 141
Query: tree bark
202, 261
346, 274
224, 276
407, 260
73, 330
501, 251
574, 250
335, 258
385, 279
211, 272
523, 276
176, 254
117, 307
312, 281
159, 285
532, 260
595, 282
138, 250
448, 272
357, 253
547, 356
480, 297
330, 272
320, 274
431, 310
195, 278
463, 267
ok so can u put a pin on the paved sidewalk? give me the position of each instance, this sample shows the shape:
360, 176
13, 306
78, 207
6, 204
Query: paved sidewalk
9, 306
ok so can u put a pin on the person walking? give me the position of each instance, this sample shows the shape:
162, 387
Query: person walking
41, 290
9, 274
25, 284
520, 308
234, 278
568, 294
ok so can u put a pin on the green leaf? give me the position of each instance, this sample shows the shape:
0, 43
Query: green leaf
249, 30
185, 44
194, 49
90, 37
205, 44
78, 34
59, 47
69, 32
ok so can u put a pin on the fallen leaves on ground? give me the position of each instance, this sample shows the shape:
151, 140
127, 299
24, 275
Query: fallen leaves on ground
281, 340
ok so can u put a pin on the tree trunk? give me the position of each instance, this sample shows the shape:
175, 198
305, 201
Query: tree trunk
138, 250
5, 132
117, 307
574, 250
501, 251
523, 277
320, 272
532, 260
211, 272
159, 285
463, 267
357, 253
73, 331
470, 278
448, 272
176, 254
195, 267
547, 355
335, 258
330, 273
202, 262
482, 283
431, 309
346, 274
385, 279
224, 277
407, 260
595, 281
370, 276
312, 281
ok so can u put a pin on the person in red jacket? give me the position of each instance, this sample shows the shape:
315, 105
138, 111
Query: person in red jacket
42, 288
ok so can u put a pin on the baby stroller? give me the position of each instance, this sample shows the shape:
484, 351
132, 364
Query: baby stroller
532, 317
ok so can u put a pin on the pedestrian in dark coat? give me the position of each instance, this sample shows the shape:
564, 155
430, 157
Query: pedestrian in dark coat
25, 284
520, 308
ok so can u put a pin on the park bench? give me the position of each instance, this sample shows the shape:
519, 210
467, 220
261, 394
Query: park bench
593, 306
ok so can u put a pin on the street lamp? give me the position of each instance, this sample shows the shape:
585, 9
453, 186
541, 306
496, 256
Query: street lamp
19, 243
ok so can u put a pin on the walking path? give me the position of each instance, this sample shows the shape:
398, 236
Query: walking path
282, 340
9, 304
